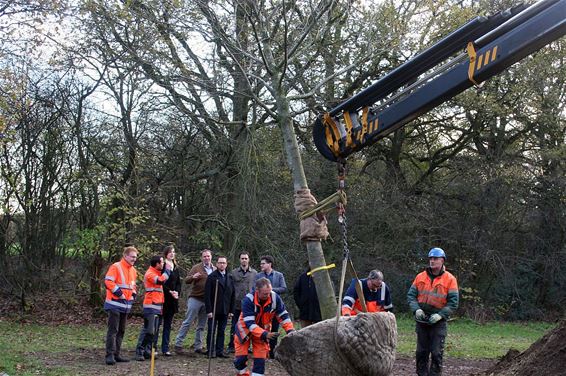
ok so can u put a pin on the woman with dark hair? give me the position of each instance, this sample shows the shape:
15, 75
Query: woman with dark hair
171, 290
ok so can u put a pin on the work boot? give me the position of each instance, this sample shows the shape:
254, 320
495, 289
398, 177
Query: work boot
119, 359
140, 358
110, 360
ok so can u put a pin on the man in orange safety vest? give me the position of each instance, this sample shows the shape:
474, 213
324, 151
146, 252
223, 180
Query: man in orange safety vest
120, 282
258, 311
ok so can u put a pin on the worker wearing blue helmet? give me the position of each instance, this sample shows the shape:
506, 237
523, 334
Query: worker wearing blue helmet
433, 296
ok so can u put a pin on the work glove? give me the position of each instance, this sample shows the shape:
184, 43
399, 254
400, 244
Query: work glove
434, 318
419, 314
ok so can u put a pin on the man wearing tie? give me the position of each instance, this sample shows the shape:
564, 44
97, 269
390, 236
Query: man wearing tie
219, 296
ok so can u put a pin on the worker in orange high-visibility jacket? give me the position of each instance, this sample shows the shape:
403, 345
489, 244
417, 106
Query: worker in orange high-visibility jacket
432, 297
258, 310
154, 278
376, 295
120, 282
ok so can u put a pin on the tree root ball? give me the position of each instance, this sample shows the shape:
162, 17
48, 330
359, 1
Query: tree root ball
365, 346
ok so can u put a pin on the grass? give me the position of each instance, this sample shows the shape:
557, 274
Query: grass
468, 339
22, 345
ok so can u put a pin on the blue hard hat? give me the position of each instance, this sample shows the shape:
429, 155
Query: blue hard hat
437, 252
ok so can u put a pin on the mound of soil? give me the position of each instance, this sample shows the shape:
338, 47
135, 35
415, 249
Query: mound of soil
547, 356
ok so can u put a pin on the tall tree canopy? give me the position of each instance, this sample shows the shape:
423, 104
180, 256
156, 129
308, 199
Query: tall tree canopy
156, 121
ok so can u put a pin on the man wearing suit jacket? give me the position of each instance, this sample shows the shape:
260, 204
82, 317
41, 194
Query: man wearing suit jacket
219, 285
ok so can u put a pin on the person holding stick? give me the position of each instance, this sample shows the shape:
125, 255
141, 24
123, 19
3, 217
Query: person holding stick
219, 296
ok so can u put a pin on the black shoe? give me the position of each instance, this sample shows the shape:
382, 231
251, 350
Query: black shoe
146, 355
167, 353
119, 359
140, 358
201, 351
222, 355
110, 360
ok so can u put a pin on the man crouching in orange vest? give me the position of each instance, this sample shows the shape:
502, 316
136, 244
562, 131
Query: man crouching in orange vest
258, 310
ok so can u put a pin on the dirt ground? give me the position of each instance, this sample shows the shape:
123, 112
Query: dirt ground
86, 362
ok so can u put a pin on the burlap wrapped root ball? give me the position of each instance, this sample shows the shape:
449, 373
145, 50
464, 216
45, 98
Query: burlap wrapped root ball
365, 346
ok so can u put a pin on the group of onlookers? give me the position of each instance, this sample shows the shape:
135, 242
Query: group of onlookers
251, 302
215, 298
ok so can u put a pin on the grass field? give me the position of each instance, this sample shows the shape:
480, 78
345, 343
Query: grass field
22, 345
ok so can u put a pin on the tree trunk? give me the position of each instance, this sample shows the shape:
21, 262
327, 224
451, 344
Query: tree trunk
365, 346
325, 291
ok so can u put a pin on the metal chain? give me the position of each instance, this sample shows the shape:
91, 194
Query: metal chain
342, 221
341, 209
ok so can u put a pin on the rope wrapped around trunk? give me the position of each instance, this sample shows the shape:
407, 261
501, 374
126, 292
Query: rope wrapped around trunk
314, 227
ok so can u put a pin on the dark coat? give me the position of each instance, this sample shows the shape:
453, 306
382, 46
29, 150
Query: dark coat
307, 299
171, 305
226, 293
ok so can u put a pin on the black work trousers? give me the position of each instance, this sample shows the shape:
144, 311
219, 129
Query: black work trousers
430, 343
115, 332
220, 322
149, 334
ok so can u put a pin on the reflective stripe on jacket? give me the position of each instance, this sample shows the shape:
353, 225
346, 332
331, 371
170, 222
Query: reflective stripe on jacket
376, 301
120, 280
256, 317
434, 294
153, 282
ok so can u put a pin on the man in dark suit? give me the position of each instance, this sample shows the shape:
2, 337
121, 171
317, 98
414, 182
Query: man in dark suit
219, 296
306, 299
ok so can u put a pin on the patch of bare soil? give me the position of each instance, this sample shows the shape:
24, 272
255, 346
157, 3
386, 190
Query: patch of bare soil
45, 309
452, 366
89, 363
547, 356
